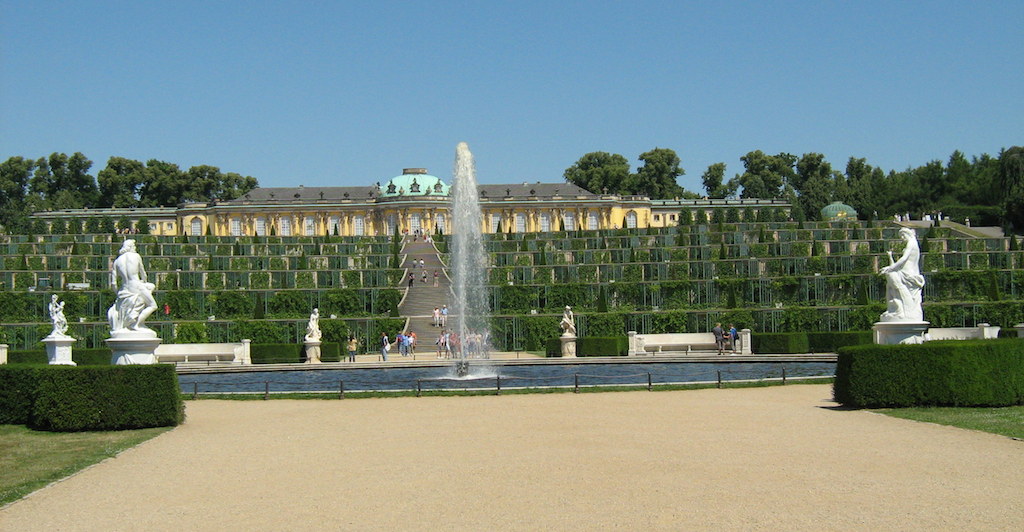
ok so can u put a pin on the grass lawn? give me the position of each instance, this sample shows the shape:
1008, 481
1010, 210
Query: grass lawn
1008, 421
31, 459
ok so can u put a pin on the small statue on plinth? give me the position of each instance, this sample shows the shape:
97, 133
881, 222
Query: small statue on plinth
568, 338
58, 343
312, 338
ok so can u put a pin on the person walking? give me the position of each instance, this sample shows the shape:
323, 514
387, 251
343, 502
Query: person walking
400, 343
437, 316
435, 278
444, 315
353, 346
412, 279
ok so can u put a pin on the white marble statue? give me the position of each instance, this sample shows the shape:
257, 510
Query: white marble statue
134, 294
60, 323
568, 323
313, 333
904, 282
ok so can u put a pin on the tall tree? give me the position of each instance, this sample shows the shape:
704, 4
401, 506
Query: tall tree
713, 180
62, 182
598, 172
121, 182
163, 184
764, 175
657, 177
1011, 181
814, 183
15, 174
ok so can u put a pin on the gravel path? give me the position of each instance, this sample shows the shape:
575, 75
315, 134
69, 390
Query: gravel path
780, 458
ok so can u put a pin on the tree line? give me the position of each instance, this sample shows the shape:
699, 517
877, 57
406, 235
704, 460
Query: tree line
988, 189
63, 181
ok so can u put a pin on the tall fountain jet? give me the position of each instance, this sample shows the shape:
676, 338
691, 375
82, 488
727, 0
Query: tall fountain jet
469, 263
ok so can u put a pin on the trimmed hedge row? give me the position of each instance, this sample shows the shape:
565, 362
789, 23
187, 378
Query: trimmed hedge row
66, 399
291, 353
941, 373
829, 342
807, 342
591, 346
99, 356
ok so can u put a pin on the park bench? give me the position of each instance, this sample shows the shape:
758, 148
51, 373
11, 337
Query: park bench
233, 353
644, 344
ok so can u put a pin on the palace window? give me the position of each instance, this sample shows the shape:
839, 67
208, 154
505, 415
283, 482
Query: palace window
390, 223
520, 223
286, 226
545, 222
197, 227
236, 227
592, 221
439, 223
495, 223
569, 220
310, 226
631, 220
357, 226
261, 226
414, 222
335, 226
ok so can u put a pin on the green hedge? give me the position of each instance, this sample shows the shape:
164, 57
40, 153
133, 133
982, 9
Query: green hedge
942, 373
66, 398
99, 356
828, 342
553, 348
18, 385
602, 346
773, 343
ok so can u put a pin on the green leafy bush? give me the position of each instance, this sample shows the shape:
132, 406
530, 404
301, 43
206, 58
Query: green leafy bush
106, 398
827, 342
276, 353
99, 356
191, 333
602, 346
946, 373
795, 342
18, 386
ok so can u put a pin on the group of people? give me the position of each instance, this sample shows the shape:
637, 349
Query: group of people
404, 342
449, 344
440, 316
726, 339
423, 276
416, 234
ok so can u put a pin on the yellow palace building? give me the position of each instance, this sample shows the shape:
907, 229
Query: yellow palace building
413, 201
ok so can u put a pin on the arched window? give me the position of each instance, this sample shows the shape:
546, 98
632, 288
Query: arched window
545, 222
309, 225
495, 223
358, 226
286, 226
439, 224
236, 227
335, 226
592, 221
261, 226
569, 220
414, 222
520, 223
197, 227
631, 220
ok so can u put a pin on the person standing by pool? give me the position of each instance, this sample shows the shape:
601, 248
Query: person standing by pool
353, 346
385, 345
734, 337
719, 338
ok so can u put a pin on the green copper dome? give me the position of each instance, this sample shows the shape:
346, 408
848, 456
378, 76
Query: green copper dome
838, 211
414, 182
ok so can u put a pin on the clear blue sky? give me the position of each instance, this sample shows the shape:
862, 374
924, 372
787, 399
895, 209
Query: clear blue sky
346, 93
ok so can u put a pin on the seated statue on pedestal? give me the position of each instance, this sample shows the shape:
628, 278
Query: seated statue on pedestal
313, 333
903, 282
135, 296
568, 324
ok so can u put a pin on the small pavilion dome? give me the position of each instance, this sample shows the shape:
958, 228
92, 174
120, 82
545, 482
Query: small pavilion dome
414, 182
836, 211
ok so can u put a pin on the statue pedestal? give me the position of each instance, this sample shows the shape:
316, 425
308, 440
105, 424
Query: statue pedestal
133, 347
312, 351
58, 349
900, 332
568, 345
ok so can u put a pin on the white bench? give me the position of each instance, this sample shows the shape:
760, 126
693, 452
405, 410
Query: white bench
642, 344
189, 353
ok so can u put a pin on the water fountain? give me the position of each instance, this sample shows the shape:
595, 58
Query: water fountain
469, 264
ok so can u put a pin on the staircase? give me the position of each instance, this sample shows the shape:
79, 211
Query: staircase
419, 303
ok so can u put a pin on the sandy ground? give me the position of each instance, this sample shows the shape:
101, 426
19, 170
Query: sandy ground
781, 458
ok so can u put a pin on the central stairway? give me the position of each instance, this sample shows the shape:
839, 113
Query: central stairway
421, 298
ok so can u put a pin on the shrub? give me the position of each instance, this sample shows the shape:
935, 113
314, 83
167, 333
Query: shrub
553, 348
191, 333
602, 346
946, 373
262, 332
106, 398
18, 386
795, 342
99, 356
827, 342
277, 353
